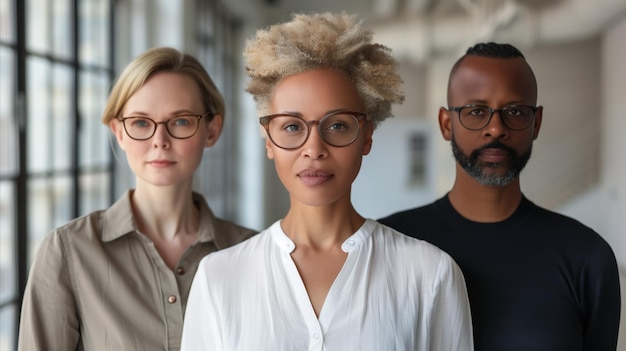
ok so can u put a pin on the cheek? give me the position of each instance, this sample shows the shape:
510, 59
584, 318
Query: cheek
134, 147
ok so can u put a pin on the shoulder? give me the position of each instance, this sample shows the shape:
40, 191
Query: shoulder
408, 214
410, 250
81, 236
415, 261
565, 227
423, 217
88, 227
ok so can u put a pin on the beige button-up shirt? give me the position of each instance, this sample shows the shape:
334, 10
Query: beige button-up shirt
97, 283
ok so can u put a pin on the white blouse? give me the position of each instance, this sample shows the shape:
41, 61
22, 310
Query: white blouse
392, 293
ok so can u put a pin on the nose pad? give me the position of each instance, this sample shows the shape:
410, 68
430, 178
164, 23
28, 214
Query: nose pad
161, 137
496, 127
315, 147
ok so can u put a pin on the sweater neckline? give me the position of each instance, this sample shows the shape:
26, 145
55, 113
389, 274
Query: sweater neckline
518, 217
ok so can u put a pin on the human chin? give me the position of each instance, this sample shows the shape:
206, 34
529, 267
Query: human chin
487, 173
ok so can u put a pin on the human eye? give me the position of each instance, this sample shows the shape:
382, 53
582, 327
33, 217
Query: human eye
476, 111
292, 127
139, 122
182, 121
288, 125
514, 112
339, 123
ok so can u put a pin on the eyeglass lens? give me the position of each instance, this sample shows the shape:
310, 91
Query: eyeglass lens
513, 117
290, 132
180, 127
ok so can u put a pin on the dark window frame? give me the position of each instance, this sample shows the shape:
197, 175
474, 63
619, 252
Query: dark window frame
20, 179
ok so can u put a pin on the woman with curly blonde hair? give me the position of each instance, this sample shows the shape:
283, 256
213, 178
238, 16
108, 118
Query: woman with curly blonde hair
324, 277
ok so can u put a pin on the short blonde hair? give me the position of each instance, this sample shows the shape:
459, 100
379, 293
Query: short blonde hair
156, 60
319, 41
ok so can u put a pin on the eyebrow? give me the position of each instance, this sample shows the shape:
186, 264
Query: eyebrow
172, 114
325, 113
484, 103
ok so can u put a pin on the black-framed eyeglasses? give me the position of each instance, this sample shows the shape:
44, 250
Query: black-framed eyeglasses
290, 131
514, 117
179, 127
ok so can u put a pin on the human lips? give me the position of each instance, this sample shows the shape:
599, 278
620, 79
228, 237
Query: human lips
314, 176
161, 163
495, 155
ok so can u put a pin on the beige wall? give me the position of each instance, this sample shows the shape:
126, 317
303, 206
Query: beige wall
581, 83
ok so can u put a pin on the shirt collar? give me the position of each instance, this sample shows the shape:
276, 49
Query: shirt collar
349, 245
119, 219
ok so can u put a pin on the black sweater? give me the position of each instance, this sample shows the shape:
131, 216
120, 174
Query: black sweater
536, 281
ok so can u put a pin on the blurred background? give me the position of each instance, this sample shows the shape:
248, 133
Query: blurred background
58, 59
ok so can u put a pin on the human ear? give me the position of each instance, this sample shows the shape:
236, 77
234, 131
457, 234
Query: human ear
118, 130
268, 148
214, 130
445, 123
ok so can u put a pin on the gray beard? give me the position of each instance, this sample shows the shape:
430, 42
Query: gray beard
475, 169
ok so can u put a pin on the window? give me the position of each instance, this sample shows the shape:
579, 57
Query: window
55, 159
214, 35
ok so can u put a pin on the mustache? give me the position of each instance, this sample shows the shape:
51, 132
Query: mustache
495, 144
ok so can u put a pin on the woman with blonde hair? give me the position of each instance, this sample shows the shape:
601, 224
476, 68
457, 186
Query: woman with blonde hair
324, 277
118, 279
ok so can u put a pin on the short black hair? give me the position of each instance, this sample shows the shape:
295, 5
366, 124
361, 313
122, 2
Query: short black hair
491, 50
494, 50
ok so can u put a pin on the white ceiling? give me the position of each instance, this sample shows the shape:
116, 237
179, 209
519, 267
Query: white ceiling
421, 29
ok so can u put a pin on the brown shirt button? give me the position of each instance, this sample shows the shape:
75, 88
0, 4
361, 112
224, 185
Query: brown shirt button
171, 299
180, 270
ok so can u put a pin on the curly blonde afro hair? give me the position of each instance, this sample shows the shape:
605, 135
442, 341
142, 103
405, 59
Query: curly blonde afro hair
323, 41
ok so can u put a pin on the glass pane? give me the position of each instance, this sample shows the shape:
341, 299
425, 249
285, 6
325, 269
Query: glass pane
7, 242
138, 31
95, 143
94, 31
38, 37
94, 192
8, 130
39, 121
8, 316
50, 202
63, 130
49, 128
62, 28
7, 15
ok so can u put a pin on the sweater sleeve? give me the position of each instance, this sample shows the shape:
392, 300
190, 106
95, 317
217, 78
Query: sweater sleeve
49, 318
600, 298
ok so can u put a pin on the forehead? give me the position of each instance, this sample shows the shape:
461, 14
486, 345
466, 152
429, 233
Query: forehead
487, 79
166, 89
314, 93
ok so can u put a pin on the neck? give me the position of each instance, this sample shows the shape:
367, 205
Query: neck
165, 212
321, 227
482, 203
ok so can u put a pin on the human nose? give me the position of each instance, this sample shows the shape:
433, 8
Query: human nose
314, 146
161, 136
495, 127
